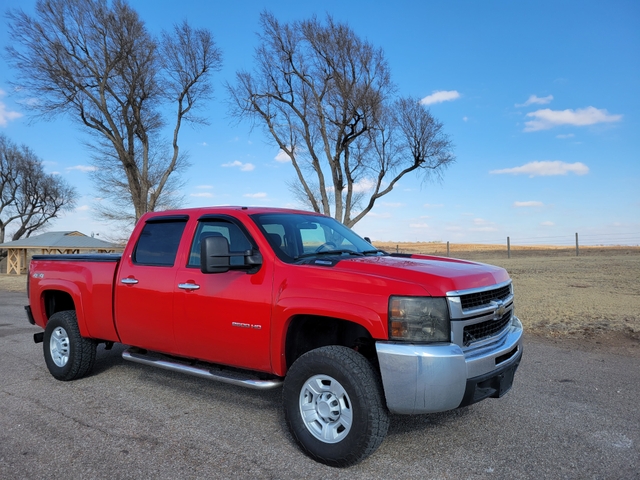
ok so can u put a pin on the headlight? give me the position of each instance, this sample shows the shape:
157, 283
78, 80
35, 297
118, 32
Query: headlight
419, 319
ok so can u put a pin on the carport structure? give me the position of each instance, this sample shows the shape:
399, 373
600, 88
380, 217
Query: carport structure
52, 243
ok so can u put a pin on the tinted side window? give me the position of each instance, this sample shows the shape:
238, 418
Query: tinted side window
158, 243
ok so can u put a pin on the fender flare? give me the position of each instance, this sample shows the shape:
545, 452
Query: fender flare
290, 308
74, 292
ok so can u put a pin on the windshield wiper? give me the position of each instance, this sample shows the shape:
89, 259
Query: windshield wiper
373, 252
329, 252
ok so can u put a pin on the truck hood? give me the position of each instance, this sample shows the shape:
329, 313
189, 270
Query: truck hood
437, 275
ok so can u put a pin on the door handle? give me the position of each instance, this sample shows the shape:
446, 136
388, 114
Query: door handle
129, 281
188, 286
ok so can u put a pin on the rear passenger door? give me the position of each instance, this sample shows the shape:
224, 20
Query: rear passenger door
224, 317
145, 285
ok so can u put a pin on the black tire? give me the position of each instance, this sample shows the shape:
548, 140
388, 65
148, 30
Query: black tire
67, 354
347, 418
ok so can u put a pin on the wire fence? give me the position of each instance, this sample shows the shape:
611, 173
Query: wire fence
575, 244
593, 239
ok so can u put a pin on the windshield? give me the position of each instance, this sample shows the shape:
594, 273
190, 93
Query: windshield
296, 236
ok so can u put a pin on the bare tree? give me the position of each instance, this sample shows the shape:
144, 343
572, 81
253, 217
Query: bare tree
326, 98
96, 61
29, 197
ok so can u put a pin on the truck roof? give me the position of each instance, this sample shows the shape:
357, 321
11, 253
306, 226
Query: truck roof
226, 210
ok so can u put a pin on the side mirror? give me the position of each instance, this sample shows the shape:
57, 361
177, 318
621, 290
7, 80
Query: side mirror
252, 258
215, 257
367, 239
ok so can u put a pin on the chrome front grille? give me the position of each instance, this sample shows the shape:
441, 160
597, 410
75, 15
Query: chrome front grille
480, 316
479, 299
482, 330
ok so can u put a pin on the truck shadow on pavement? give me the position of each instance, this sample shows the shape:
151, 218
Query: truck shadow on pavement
404, 424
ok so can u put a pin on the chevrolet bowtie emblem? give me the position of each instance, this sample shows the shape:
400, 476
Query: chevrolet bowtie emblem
500, 310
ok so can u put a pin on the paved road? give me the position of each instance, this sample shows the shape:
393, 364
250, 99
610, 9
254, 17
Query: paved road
571, 414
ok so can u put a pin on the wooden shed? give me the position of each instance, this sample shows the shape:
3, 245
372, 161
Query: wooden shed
52, 243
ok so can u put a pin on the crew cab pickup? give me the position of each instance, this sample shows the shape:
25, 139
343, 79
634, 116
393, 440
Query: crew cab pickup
268, 298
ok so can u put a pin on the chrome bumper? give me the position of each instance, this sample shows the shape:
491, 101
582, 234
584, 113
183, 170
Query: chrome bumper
433, 378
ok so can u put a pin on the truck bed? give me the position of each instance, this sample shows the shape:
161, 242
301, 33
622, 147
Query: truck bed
87, 278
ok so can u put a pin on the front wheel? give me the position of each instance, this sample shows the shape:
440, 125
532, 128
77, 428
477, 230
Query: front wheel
67, 354
334, 406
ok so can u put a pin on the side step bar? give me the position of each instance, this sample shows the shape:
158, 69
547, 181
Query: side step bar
231, 377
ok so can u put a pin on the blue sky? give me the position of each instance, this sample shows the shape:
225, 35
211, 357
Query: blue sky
541, 99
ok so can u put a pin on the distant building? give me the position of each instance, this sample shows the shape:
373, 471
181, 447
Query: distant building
52, 243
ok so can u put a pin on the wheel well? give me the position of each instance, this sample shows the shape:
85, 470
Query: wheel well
308, 332
57, 301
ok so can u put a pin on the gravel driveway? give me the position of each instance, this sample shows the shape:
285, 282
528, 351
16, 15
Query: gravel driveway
572, 413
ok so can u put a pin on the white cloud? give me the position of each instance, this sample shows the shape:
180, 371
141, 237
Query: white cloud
546, 118
568, 135
255, 195
547, 224
440, 96
244, 167
364, 185
360, 186
379, 215
204, 187
465, 119
203, 144
535, 100
202, 195
545, 168
531, 203
282, 157
433, 205
418, 225
6, 115
83, 208
82, 168
392, 204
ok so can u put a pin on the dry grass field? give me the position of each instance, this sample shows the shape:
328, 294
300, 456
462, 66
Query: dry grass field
593, 297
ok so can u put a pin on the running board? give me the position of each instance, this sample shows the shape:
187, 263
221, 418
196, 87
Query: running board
231, 377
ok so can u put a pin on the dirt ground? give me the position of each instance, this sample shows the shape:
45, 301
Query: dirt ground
13, 283
592, 300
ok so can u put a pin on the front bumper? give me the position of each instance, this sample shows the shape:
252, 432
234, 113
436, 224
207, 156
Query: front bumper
435, 378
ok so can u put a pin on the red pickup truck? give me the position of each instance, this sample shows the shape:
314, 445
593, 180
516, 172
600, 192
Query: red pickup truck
267, 298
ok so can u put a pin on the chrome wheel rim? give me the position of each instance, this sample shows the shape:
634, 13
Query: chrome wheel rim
59, 346
326, 409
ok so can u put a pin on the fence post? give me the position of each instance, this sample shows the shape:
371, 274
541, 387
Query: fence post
448, 249
577, 246
397, 248
508, 247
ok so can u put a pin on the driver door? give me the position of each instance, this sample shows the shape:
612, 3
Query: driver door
224, 317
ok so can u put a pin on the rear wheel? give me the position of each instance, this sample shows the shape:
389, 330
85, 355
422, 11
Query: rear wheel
67, 354
334, 406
